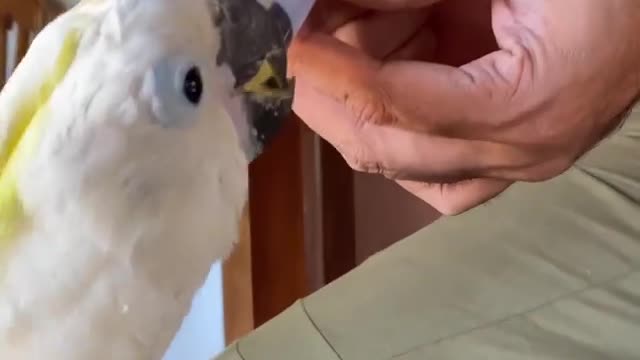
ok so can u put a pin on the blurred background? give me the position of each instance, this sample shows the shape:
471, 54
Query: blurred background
310, 219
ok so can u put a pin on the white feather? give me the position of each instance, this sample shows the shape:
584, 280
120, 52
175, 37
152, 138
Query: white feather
126, 216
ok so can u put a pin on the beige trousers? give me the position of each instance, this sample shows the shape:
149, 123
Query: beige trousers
547, 271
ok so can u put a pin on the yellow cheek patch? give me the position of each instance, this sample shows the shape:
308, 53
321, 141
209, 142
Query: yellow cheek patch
23, 135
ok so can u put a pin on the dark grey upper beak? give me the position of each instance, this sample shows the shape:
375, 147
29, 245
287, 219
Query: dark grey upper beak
255, 38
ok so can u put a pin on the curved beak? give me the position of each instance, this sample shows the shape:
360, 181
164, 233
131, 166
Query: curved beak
255, 39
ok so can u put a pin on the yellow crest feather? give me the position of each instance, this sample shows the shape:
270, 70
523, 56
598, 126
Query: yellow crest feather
23, 136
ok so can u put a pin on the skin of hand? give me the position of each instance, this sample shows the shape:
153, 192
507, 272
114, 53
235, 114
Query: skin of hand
458, 99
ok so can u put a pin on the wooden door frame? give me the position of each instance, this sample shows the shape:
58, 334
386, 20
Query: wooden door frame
303, 180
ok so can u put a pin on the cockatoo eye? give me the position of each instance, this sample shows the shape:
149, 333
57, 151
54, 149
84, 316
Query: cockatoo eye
175, 87
192, 86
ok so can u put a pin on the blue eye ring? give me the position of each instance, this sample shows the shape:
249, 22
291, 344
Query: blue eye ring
192, 86
176, 89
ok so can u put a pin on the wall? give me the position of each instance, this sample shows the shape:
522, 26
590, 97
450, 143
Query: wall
11, 49
202, 334
385, 213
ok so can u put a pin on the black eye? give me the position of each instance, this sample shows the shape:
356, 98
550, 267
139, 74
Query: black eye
192, 86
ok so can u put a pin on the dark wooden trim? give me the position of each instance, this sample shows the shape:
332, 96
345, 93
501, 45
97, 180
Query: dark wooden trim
338, 214
5, 24
278, 256
313, 210
329, 211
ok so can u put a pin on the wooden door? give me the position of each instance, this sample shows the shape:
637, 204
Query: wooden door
299, 230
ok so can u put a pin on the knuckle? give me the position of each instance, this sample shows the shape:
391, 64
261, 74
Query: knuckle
447, 207
360, 160
354, 156
450, 205
450, 209
501, 81
453, 207
355, 163
389, 174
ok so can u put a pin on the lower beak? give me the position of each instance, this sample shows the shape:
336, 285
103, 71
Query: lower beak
255, 39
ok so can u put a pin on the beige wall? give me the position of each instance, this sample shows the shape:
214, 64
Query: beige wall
385, 213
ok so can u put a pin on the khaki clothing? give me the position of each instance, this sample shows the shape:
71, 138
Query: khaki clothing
547, 271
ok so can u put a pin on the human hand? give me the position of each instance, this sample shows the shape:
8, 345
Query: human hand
458, 99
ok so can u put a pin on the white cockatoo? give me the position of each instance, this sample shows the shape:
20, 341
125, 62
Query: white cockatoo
125, 135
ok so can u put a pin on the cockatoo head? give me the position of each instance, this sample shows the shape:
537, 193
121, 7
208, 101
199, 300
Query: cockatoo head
183, 62
149, 107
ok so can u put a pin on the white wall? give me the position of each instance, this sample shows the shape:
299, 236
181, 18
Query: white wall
202, 334
11, 49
